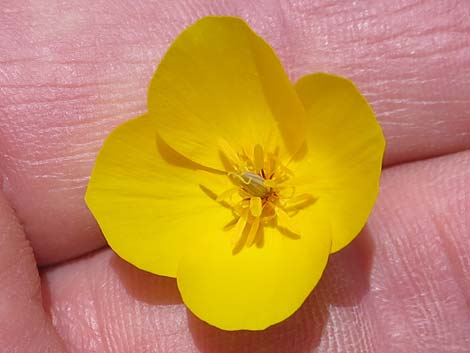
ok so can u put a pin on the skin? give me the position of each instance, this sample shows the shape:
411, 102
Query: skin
72, 71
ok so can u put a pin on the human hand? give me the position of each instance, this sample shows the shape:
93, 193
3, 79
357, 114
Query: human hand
72, 72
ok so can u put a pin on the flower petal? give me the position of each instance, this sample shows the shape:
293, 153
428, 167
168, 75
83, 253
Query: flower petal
219, 81
259, 285
342, 166
147, 198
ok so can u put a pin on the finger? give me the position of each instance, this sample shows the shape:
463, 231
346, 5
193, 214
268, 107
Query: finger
402, 286
121, 307
141, 311
24, 325
69, 77
411, 59
419, 282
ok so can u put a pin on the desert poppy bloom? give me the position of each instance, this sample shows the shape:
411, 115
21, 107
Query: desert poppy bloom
236, 182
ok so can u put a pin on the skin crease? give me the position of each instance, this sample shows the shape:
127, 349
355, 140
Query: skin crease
72, 71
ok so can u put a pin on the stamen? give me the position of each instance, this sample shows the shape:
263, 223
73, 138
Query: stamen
230, 225
226, 195
242, 207
286, 191
237, 231
299, 201
228, 151
250, 240
270, 183
284, 221
270, 165
258, 157
256, 206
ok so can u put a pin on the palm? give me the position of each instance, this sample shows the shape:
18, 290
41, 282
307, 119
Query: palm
69, 76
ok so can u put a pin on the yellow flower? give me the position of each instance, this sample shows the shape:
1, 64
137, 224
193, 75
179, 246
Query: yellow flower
236, 182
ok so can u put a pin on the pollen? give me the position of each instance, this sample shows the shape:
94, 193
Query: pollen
262, 195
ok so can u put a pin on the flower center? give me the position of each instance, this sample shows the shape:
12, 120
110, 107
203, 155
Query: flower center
262, 195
